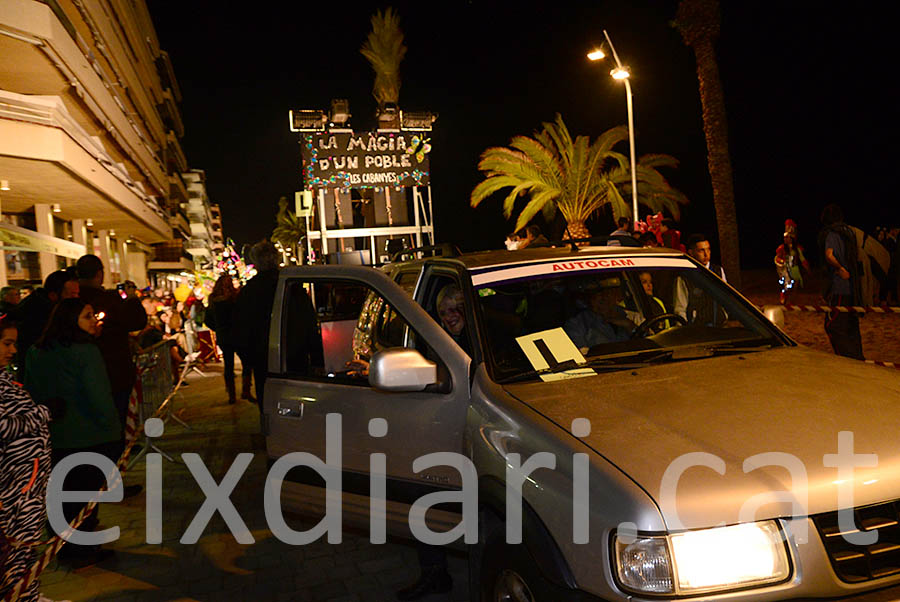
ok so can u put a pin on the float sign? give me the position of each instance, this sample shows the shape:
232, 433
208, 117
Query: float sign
365, 159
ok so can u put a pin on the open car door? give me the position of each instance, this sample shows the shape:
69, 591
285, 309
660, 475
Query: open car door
343, 340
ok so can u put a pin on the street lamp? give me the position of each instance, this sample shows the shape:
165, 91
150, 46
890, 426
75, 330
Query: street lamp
623, 73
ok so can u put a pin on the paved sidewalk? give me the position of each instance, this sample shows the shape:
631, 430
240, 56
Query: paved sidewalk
217, 567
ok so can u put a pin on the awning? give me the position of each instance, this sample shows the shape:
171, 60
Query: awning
15, 238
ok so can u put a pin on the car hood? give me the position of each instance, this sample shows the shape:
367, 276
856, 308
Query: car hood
790, 403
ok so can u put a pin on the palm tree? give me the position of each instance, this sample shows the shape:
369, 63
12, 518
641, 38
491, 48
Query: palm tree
698, 21
289, 229
384, 49
575, 176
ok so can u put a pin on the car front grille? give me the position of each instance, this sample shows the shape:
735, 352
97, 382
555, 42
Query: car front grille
856, 563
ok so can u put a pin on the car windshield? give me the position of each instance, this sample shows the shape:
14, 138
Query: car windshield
562, 319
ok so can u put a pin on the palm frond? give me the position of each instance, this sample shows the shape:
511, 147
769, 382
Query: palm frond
384, 50
574, 176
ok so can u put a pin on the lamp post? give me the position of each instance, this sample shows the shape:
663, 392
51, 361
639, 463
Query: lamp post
623, 73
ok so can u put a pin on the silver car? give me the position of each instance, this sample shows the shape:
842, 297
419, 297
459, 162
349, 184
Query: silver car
600, 424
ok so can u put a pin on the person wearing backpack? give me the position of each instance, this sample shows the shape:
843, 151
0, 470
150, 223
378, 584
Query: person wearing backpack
838, 245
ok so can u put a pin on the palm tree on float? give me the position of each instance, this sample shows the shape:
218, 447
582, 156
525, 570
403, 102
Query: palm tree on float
698, 21
384, 50
289, 229
576, 177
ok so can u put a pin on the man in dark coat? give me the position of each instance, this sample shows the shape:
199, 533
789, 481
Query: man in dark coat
35, 309
121, 316
252, 313
837, 243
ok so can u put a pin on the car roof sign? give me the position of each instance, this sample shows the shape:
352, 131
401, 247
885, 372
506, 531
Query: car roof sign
518, 271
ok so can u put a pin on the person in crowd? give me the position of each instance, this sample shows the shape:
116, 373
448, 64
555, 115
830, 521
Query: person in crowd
150, 305
34, 311
700, 249
451, 310
151, 334
623, 229
602, 320
512, 242
24, 469
252, 311
648, 239
192, 312
120, 317
158, 329
670, 236
26, 290
531, 236
67, 364
173, 328
624, 236
789, 258
9, 301
838, 245
692, 303
220, 318
657, 307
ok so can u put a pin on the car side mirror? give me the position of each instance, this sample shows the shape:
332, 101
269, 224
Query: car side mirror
775, 313
401, 369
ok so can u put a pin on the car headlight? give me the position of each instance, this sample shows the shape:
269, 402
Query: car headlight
693, 562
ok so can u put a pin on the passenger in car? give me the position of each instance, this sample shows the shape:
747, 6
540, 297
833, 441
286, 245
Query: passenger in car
603, 320
451, 309
656, 304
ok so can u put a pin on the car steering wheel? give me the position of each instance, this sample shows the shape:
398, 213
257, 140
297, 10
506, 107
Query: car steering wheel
644, 327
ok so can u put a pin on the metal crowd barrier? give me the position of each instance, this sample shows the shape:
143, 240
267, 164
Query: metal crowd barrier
153, 386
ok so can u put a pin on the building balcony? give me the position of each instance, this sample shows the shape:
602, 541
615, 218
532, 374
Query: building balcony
167, 74
46, 154
198, 247
168, 111
47, 57
178, 221
171, 256
177, 192
176, 161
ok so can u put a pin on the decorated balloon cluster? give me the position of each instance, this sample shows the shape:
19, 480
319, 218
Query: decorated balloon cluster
230, 262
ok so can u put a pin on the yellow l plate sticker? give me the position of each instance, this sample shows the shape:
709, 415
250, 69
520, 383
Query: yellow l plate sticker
548, 348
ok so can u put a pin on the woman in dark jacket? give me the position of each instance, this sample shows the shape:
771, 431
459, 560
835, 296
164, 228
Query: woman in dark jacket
220, 317
24, 468
66, 364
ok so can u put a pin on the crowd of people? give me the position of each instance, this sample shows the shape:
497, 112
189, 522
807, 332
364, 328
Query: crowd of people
72, 343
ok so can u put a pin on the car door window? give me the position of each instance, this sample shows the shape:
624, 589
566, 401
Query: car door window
407, 280
444, 300
332, 329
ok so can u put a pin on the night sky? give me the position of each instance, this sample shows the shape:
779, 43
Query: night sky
809, 92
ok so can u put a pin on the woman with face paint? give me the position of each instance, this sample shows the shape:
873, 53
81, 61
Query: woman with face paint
24, 468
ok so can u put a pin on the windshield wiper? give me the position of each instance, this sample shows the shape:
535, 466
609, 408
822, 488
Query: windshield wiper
693, 352
734, 348
601, 365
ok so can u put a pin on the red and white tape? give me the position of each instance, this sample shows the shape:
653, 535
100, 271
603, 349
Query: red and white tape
885, 364
860, 309
132, 431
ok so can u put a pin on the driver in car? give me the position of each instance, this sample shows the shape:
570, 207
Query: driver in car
603, 320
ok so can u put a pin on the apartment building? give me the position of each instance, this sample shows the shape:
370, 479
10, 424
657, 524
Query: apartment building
218, 239
90, 158
200, 218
